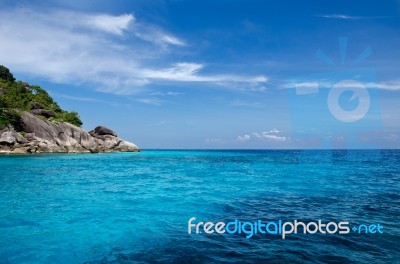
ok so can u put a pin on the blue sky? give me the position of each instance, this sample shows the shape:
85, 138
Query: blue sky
214, 74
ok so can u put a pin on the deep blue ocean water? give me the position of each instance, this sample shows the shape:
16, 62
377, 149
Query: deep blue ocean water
135, 207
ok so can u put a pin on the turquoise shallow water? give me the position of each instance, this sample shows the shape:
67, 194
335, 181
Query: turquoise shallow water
135, 207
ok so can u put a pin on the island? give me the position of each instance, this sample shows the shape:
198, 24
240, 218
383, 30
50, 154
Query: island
32, 122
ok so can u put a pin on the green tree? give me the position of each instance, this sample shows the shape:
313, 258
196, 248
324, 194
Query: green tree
6, 74
9, 118
42, 97
71, 117
19, 96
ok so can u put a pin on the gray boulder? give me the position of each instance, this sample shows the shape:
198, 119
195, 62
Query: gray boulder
41, 128
125, 146
35, 105
8, 137
83, 138
43, 112
12, 137
44, 136
64, 135
101, 131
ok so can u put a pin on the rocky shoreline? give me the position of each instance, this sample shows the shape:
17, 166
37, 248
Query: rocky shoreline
45, 136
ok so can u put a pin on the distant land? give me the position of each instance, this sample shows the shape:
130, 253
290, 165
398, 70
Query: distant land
32, 122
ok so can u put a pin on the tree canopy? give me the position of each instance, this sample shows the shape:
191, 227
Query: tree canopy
17, 96
5, 74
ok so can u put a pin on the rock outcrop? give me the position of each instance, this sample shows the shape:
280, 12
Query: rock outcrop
102, 131
44, 112
38, 109
45, 136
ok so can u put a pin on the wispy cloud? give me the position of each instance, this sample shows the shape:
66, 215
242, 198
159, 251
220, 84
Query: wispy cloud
89, 100
349, 17
268, 136
154, 98
165, 93
67, 20
86, 99
76, 98
111, 53
241, 103
157, 36
274, 131
190, 72
338, 16
310, 86
107, 23
243, 138
273, 135
390, 85
150, 101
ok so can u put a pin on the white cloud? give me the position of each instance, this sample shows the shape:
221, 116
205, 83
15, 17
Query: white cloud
251, 84
390, 85
180, 71
86, 99
76, 98
271, 135
275, 131
112, 24
243, 138
150, 101
268, 136
114, 54
304, 87
171, 40
393, 85
306, 84
166, 93
339, 16
156, 36
189, 72
348, 17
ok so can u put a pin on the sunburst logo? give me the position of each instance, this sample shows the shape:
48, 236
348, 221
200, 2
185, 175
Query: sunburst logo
337, 108
356, 88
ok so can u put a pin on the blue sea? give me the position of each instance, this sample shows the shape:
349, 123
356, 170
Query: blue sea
135, 207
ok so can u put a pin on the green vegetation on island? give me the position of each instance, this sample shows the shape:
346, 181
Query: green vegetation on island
18, 96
